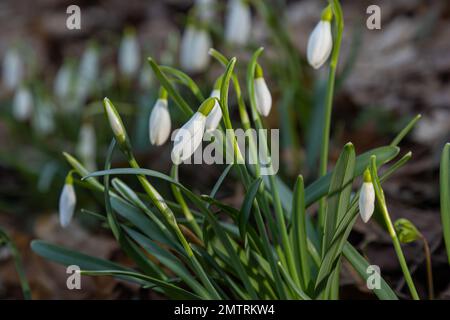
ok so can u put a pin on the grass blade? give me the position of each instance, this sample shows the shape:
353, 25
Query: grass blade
445, 196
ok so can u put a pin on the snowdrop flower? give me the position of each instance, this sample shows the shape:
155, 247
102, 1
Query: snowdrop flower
238, 22
22, 104
13, 69
43, 120
262, 94
129, 55
159, 124
87, 72
63, 81
67, 202
194, 48
115, 122
86, 147
205, 9
189, 137
366, 197
320, 41
214, 117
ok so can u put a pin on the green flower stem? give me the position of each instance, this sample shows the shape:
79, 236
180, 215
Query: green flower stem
279, 214
427, 252
391, 230
339, 27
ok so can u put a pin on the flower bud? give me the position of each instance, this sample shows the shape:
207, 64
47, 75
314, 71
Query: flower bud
320, 41
214, 117
262, 94
366, 197
406, 231
159, 124
189, 137
13, 69
205, 9
115, 122
67, 202
194, 48
129, 55
87, 72
43, 117
23, 104
86, 147
238, 22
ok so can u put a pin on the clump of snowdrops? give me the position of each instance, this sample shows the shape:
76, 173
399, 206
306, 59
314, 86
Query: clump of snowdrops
191, 246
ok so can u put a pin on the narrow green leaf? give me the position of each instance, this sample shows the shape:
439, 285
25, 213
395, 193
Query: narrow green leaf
186, 80
405, 131
247, 205
445, 196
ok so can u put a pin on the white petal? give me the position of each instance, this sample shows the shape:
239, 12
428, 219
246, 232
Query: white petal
86, 147
238, 22
188, 138
263, 97
23, 104
114, 121
194, 48
13, 69
320, 44
63, 80
366, 201
129, 56
214, 117
67, 202
159, 124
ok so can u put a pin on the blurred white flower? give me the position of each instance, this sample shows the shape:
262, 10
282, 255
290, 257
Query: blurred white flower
23, 104
67, 202
188, 138
159, 124
262, 94
194, 48
43, 121
214, 117
86, 146
146, 77
63, 82
129, 54
13, 69
366, 198
320, 41
87, 73
238, 22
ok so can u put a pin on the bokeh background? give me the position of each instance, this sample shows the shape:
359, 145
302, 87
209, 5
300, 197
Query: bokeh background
385, 77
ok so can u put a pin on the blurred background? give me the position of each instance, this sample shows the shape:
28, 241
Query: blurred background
53, 80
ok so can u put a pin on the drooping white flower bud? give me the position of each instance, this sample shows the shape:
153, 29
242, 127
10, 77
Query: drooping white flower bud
63, 82
195, 44
366, 197
189, 137
86, 147
67, 202
129, 54
238, 22
214, 117
23, 104
262, 94
87, 72
43, 117
320, 41
13, 69
159, 124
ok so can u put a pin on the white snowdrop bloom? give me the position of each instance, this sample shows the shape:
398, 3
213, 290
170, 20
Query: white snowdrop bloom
114, 121
67, 202
214, 117
366, 198
87, 72
129, 54
159, 123
205, 9
13, 69
43, 119
238, 22
86, 146
22, 104
63, 82
189, 137
320, 41
262, 94
195, 44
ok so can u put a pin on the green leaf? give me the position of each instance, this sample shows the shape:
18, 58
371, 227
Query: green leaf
247, 205
405, 131
339, 193
186, 80
360, 264
445, 196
